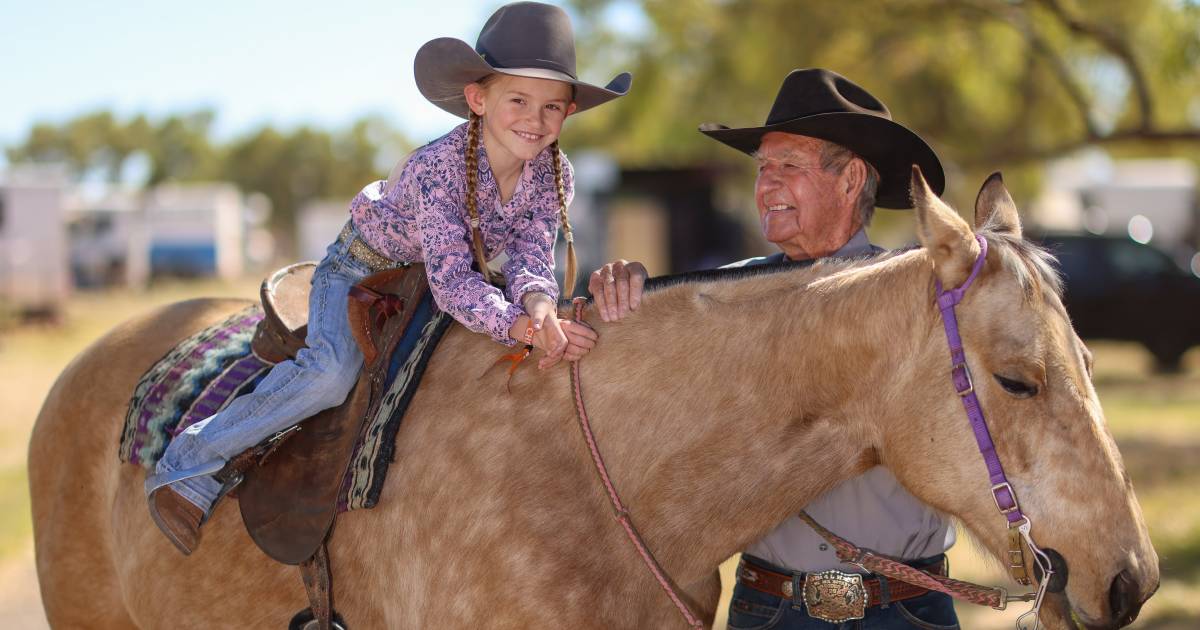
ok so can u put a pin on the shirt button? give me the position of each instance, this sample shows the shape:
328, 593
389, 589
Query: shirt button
823, 547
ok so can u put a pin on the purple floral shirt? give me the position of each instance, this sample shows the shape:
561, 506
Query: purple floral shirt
423, 217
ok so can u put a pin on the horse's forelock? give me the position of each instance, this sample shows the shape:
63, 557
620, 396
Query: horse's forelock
1034, 266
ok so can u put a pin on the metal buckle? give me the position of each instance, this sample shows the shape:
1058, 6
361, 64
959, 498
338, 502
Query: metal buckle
834, 596
996, 498
967, 373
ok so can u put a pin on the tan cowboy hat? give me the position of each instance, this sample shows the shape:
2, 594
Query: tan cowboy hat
524, 39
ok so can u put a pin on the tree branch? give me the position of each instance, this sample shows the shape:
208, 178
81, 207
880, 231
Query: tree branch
1033, 154
1119, 48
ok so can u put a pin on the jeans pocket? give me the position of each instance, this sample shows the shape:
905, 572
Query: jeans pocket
745, 614
932, 611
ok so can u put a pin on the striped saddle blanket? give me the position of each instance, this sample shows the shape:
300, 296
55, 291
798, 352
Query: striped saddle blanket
205, 372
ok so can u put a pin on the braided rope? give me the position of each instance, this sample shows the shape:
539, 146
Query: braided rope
620, 511
472, 159
852, 554
569, 274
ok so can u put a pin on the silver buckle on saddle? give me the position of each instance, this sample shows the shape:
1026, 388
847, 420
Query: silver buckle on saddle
834, 596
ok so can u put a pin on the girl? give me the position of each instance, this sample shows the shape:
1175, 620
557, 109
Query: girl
495, 183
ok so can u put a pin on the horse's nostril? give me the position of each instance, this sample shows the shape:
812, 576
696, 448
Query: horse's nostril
1124, 599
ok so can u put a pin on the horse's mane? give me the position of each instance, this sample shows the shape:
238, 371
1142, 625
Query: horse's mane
1035, 268
826, 266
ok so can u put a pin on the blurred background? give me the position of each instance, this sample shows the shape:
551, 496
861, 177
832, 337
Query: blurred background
157, 152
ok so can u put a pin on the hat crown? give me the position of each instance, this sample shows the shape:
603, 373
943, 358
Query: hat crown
815, 91
528, 35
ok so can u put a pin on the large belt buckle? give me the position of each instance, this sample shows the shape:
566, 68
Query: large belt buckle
834, 596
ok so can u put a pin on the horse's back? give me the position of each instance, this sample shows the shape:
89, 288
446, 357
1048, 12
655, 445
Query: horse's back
74, 472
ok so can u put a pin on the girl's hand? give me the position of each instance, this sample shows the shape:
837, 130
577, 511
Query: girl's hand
548, 335
580, 340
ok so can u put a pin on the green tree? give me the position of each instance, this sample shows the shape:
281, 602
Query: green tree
990, 83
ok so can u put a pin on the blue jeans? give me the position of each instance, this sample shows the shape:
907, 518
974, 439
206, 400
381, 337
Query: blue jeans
751, 609
319, 378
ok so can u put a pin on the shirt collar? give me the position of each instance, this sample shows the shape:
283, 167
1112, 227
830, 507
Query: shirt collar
858, 245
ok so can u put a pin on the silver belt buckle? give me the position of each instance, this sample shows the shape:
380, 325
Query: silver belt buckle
834, 596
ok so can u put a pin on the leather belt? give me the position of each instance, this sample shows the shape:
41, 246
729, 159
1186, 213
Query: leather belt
770, 582
363, 252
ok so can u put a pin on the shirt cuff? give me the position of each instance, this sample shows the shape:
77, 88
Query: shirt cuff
507, 319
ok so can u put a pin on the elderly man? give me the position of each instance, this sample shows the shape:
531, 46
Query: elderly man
827, 156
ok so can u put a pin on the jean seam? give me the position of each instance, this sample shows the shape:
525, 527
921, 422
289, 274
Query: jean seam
918, 622
767, 624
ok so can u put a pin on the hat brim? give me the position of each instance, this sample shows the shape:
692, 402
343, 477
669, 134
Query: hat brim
887, 145
444, 66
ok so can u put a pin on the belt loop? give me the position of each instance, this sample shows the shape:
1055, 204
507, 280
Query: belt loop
797, 591
885, 595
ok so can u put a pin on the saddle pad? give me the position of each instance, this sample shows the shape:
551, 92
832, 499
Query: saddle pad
197, 378
205, 372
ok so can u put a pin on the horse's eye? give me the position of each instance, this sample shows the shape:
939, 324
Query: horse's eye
1020, 389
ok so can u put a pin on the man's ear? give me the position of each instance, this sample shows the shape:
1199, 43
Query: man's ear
945, 235
853, 178
995, 208
474, 93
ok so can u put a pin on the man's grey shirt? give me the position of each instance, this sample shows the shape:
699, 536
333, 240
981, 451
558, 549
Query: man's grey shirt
871, 510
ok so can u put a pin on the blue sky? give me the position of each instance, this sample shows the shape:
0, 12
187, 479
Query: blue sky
254, 61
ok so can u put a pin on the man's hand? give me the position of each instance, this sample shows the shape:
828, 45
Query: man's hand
616, 288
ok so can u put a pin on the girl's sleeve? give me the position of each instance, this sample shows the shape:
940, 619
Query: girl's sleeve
457, 289
530, 264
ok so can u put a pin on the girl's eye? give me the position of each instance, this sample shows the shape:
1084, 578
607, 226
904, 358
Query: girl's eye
553, 107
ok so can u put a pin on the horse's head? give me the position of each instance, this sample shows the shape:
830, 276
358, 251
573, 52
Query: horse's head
1032, 376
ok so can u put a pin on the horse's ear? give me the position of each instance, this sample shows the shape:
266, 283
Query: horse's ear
944, 234
995, 208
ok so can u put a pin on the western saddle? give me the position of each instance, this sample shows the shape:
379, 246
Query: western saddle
289, 485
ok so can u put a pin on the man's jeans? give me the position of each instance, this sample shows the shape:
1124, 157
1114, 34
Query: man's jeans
752, 609
319, 378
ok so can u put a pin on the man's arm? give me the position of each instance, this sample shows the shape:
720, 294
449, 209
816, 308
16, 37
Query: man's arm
616, 288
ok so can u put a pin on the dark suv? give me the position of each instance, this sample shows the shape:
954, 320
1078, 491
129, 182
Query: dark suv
1119, 289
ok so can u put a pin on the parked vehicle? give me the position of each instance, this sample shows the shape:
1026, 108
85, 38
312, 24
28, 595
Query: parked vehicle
1117, 288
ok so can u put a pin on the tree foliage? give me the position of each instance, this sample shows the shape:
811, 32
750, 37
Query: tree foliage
290, 167
989, 83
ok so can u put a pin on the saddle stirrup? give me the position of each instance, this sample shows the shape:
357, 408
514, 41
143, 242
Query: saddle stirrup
161, 480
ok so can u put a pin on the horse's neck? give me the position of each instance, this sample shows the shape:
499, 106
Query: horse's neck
752, 398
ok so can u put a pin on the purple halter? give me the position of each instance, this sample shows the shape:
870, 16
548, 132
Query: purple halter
1002, 492
1019, 525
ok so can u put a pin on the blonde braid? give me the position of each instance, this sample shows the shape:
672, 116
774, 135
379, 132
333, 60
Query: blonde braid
472, 159
569, 274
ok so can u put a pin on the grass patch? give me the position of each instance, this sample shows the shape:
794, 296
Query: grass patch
16, 523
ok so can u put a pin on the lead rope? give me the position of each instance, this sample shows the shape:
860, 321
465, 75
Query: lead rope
620, 512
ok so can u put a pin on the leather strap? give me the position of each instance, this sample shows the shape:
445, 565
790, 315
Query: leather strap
781, 585
319, 587
620, 512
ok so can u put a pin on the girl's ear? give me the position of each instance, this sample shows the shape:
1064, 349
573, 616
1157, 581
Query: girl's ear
474, 94
571, 108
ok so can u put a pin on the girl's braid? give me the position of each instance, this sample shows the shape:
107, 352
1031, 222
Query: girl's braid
472, 159
569, 275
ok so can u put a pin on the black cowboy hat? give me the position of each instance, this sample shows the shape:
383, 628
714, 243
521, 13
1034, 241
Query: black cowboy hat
823, 104
524, 39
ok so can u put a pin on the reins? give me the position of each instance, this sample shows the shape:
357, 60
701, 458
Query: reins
620, 512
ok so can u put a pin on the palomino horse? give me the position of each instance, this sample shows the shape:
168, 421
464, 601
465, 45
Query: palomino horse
722, 406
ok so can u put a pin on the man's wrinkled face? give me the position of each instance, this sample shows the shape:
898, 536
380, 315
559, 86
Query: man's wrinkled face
805, 210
